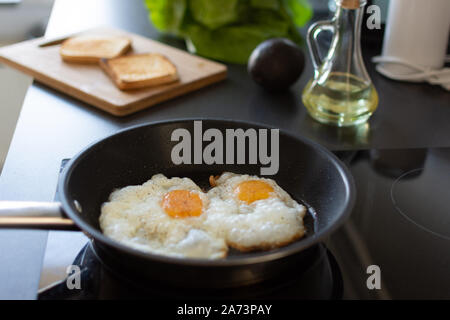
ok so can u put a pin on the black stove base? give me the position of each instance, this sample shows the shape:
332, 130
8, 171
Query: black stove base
321, 280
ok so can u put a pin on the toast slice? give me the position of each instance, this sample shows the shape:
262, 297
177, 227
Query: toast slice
90, 49
140, 70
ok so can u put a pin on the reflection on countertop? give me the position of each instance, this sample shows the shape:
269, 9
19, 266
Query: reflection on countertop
400, 223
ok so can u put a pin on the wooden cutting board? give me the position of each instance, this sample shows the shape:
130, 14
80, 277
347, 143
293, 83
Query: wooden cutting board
91, 85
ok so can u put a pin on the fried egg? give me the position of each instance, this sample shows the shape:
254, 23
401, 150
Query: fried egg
163, 216
253, 213
175, 217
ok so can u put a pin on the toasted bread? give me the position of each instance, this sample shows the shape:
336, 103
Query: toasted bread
140, 70
90, 49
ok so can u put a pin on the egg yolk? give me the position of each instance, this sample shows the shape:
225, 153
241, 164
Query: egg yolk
253, 190
182, 204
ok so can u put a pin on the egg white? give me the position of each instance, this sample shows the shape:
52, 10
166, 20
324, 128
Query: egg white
264, 224
134, 216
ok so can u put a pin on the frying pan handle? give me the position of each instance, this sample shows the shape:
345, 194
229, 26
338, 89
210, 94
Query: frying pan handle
33, 215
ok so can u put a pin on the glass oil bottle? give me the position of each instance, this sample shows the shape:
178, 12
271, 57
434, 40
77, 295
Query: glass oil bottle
341, 92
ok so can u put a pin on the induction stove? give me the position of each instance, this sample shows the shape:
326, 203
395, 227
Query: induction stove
396, 244
400, 225
320, 280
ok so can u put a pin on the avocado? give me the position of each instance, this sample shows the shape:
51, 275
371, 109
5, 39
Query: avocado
276, 64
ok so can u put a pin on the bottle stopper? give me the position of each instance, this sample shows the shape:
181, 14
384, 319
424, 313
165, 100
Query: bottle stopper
351, 4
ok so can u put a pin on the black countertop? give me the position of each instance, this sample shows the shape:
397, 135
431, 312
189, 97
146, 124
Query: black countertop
53, 126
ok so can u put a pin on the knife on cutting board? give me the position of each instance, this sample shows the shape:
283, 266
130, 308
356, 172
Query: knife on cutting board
55, 41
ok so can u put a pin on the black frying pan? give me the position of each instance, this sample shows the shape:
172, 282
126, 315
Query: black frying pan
308, 172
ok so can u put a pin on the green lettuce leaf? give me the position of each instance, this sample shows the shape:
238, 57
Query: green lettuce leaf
229, 30
214, 14
167, 15
265, 4
300, 11
232, 44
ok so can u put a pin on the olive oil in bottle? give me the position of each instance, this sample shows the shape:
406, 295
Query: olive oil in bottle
341, 92
342, 99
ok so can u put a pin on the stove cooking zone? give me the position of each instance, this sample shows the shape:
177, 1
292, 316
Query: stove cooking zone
235, 140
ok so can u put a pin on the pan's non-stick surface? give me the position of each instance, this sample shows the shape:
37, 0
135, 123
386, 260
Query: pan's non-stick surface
308, 172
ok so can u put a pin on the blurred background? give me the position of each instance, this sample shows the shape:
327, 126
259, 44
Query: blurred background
25, 19
19, 20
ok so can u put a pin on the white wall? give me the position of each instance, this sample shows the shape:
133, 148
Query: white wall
18, 22
23, 20
13, 87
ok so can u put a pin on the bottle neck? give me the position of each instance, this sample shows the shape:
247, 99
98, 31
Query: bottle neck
345, 53
348, 26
